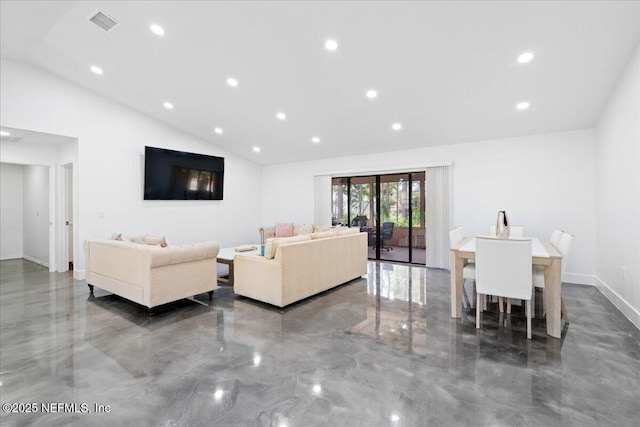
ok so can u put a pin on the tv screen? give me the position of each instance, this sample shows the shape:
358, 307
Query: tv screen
176, 175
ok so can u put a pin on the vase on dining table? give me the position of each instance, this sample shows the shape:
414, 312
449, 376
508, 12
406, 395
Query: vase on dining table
502, 226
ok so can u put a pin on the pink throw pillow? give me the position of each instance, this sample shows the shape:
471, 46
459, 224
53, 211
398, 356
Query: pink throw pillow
284, 229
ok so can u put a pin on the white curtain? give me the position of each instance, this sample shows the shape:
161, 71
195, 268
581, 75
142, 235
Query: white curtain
439, 215
322, 203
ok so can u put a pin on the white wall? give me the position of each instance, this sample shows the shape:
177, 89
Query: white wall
36, 214
11, 177
542, 181
618, 194
109, 174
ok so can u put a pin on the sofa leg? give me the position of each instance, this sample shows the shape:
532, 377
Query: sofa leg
151, 311
210, 295
90, 289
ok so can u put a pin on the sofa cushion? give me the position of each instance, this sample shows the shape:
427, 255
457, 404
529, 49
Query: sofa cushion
150, 239
272, 244
138, 239
302, 229
320, 228
324, 234
184, 253
342, 231
284, 229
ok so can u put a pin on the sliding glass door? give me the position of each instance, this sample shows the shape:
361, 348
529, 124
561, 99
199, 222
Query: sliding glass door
390, 208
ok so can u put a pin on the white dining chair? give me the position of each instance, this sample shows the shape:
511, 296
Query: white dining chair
515, 231
456, 235
503, 268
555, 237
564, 247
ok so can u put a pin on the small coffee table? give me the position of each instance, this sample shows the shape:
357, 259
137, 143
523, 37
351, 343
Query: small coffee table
226, 256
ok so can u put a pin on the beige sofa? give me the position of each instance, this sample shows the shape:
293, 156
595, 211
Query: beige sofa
298, 267
151, 275
268, 232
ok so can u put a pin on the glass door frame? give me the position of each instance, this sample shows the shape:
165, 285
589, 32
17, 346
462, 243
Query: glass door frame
377, 204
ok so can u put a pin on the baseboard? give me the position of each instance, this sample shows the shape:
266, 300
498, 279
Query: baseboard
621, 304
79, 274
37, 261
579, 279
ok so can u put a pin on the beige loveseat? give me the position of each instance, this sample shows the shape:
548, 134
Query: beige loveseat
295, 268
151, 275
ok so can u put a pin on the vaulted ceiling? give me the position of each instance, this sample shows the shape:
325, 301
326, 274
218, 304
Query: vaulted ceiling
446, 71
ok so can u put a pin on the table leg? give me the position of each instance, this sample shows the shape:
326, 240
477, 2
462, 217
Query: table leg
229, 279
230, 274
457, 282
552, 297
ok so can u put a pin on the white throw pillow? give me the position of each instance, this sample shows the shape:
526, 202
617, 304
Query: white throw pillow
346, 230
302, 229
272, 244
324, 235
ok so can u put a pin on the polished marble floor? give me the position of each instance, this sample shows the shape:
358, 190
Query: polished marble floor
379, 351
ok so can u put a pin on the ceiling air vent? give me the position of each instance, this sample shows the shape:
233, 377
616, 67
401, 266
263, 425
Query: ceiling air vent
103, 21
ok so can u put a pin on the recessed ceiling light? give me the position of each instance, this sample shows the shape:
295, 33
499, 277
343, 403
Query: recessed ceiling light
317, 388
281, 116
96, 70
168, 105
396, 126
372, 94
315, 140
157, 29
232, 82
4, 133
395, 418
331, 44
218, 131
256, 149
525, 57
218, 394
522, 105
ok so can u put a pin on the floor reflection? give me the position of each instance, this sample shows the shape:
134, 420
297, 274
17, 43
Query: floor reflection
396, 307
381, 349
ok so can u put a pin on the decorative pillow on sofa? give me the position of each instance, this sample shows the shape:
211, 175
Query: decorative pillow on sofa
346, 230
324, 234
272, 244
120, 236
321, 228
284, 229
302, 229
155, 240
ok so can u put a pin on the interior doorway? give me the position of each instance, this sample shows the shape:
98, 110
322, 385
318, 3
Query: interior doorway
53, 157
390, 208
68, 206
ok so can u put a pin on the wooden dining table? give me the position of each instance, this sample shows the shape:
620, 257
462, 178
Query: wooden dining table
543, 253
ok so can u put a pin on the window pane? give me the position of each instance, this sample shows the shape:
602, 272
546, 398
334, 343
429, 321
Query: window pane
339, 207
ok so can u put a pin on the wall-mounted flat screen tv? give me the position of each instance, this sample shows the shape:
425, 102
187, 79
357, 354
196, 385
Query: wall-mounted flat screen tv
176, 175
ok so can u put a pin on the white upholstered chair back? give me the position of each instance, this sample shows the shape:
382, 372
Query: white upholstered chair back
555, 237
516, 231
564, 247
503, 267
455, 236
